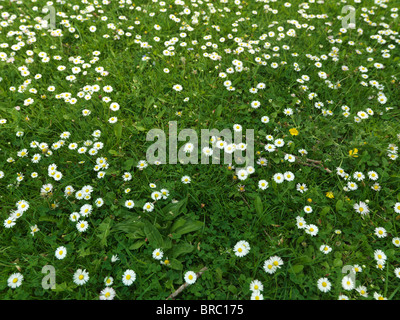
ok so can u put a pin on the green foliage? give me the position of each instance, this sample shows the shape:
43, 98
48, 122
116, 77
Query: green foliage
197, 225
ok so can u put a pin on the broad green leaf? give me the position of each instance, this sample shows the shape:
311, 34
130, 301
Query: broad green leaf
167, 243
296, 268
189, 226
113, 152
153, 235
177, 224
64, 287
159, 116
259, 206
137, 244
104, 231
140, 128
325, 210
299, 240
218, 111
172, 210
326, 265
175, 264
181, 249
339, 205
128, 164
337, 263
232, 289
218, 274
84, 252
48, 219
118, 130
305, 260
131, 226
110, 197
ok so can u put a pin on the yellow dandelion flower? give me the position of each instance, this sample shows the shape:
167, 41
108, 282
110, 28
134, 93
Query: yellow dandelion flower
294, 132
330, 195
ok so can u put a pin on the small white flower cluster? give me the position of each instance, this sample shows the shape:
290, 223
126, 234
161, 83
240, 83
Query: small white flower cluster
22, 207
272, 264
362, 115
243, 173
241, 248
108, 293
393, 151
310, 229
54, 173
279, 177
380, 258
84, 193
256, 287
358, 176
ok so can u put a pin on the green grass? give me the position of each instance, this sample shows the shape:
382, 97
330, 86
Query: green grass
210, 214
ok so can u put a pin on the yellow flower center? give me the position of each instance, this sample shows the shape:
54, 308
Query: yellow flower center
80, 277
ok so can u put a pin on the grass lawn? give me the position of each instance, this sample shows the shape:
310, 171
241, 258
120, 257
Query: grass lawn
312, 94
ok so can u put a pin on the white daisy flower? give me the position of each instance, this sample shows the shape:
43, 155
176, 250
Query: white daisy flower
158, 254
128, 277
15, 280
61, 252
81, 277
190, 277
